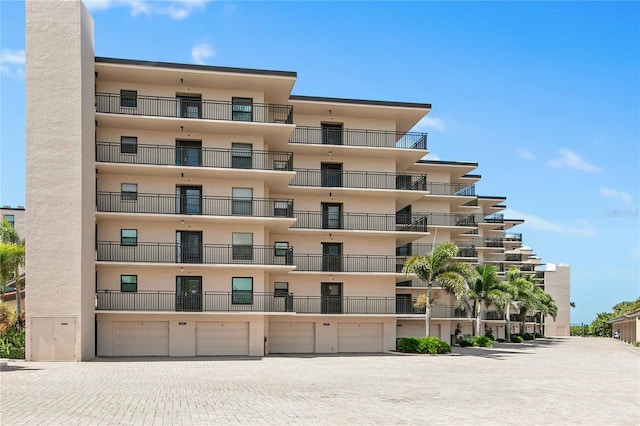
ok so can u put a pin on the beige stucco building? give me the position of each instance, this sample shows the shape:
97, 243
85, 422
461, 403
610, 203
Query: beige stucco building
208, 211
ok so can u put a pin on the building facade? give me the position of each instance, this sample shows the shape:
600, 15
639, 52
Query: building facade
208, 211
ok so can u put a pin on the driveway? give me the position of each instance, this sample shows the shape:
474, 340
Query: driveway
549, 381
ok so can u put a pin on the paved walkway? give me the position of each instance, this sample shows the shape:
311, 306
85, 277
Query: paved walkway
553, 381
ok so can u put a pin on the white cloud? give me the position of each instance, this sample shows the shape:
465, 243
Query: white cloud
175, 9
12, 63
200, 52
525, 153
432, 156
581, 228
620, 195
429, 123
570, 160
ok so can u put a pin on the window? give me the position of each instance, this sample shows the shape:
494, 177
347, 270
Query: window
331, 174
190, 106
189, 246
242, 201
128, 145
403, 216
331, 134
241, 155
189, 199
332, 215
242, 290
128, 283
282, 208
129, 98
281, 248
280, 289
11, 219
242, 246
242, 109
332, 257
128, 237
129, 191
404, 250
188, 153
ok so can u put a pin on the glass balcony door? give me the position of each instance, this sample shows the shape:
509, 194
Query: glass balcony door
189, 199
189, 294
189, 246
331, 298
188, 153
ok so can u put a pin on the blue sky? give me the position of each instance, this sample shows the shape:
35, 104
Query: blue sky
544, 96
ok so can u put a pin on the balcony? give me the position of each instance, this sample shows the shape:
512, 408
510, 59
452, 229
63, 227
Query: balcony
494, 218
113, 202
193, 108
405, 307
209, 254
516, 238
466, 250
513, 257
357, 221
447, 219
454, 189
493, 315
171, 301
358, 137
347, 263
359, 180
164, 155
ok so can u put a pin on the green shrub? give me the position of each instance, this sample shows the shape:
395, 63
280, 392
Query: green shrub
483, 341
433, 345
426, 345
538, 335
500, 340
466, 342
528, 336
12, 344
515, 338
408, 344
636, 343
489, 333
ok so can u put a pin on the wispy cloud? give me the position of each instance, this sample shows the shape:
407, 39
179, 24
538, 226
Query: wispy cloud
580, 228
429, 123
174, 9
619, 195
432, 156
525, 153
12, 63
569, 160
200, 52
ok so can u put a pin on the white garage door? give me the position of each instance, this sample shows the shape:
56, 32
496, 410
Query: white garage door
141, 338
292, 337
222, 338
353, 337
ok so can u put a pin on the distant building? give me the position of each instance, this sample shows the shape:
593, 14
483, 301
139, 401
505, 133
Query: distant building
188, 210
16, 217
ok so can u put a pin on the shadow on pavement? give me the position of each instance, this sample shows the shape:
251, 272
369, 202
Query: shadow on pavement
17, 368
502, 350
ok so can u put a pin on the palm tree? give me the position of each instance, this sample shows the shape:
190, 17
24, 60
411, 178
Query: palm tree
11, 258
438, 268
533, 299
488, 279
503, 296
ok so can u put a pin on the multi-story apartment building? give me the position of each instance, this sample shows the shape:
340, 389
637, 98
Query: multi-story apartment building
208, 211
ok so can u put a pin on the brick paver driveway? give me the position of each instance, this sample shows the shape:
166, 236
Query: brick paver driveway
553, 381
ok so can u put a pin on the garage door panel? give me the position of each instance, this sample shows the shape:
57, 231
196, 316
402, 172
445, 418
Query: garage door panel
141, 338
292, 337
222, 338
360, 337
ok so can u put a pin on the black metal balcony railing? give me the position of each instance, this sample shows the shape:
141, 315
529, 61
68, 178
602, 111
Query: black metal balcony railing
494, 218
406, 306
249, 302
447, 219
113, 251
513, 257
359, 137
358, 221
164, 155
156, 106
493, 315
188, 205
513, 237
359, 179
464, 249
347, 263
441, 188
488, 242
